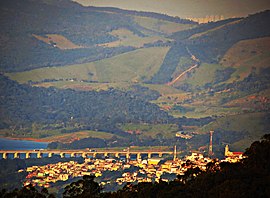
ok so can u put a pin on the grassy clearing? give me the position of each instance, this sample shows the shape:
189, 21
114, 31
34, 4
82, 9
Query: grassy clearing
56, 135
253, 123
184, 64
58, 41
85, 86
133, 66
128, 38
247, 54
159, 25
205, 111
202, 75
152, 130
79, 71
79, 135
162, 89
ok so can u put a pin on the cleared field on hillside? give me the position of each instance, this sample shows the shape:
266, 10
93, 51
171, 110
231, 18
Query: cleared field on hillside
86, 86
205, 73
152, 130
66, 138
162, 89
128, 38
184, 64
159, 25
205, 111
245, 55
133, 66
57, 41
53, 135
254, 125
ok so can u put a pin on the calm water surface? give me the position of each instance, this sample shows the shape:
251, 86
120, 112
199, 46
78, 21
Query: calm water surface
6, 144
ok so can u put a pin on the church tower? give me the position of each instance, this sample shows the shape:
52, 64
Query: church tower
227, 151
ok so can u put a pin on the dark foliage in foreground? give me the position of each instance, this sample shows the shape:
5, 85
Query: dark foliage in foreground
248, 178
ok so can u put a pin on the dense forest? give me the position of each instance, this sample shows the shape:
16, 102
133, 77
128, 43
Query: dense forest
247, 178
146, 14
22, 105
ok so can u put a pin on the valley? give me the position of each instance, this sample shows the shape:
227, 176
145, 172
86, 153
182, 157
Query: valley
133, 78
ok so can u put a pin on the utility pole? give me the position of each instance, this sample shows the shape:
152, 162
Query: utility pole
174, 153
210, 153
127, 155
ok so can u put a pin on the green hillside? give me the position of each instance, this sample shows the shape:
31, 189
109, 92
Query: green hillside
251, 126
202, 75
246, 55
53, 33
133, 66
161, 26
126, 37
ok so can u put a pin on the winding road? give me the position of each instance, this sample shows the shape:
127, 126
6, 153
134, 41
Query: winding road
186, 71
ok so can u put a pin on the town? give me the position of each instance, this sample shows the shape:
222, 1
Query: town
132, 171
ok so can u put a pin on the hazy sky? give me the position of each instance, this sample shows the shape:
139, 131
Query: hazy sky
187, 8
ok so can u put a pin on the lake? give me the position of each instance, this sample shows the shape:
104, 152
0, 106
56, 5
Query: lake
7, 144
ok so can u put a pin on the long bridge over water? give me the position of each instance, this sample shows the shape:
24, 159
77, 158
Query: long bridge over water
84, 153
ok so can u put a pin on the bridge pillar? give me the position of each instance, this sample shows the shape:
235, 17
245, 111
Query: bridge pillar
127, 156
138, 156
94, 155
117, 155
16, 155
39, 155
5, 155
160, 154
62, 155
149, 155
27, 155
50, 154
105, 154
84, 155
73, 155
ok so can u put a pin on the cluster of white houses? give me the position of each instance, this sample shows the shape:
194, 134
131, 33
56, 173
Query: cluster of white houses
151, 169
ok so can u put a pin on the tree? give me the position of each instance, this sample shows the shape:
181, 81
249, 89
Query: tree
85, 187
27, 192
258, 155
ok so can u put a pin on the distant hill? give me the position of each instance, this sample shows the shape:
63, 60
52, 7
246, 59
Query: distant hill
211, 44
25, 26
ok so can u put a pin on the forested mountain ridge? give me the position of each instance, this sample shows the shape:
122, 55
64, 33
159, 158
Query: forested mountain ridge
22, 105
85, 27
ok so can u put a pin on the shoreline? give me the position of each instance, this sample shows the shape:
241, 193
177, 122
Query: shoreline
26, 139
